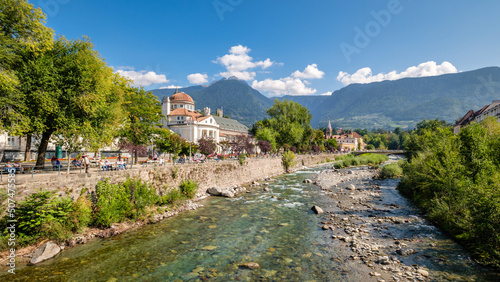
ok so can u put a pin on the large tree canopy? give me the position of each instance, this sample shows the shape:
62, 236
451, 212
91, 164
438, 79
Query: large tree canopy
289, 123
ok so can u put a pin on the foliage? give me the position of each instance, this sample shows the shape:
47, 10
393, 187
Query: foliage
143, 111
141, 195
364, 159
455, 179
112, 204
289, 123
189, 188
243, 144
175, 172
206, 146
241, 158
288, 160
172, 198
81, 216
264, 146
392, 170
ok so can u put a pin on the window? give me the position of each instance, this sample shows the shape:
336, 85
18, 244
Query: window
182, 106
11, 141
178, 118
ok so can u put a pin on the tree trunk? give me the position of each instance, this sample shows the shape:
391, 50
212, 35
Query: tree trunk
42, 149
135, 156
27, 150
69, 162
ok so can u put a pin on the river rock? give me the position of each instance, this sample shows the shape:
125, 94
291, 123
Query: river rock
317, 209
384, 260
350, 187
228, 194
423, 272
267, 189
307, 181
250, 265
214, 191
46, 251
405, 252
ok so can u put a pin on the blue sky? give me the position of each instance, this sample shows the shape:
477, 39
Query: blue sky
283, 47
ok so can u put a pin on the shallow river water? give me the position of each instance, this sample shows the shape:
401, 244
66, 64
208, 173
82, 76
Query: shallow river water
275, 229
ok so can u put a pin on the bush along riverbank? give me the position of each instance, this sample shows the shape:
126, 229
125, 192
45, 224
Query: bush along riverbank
112, 209
455, 179
364, 159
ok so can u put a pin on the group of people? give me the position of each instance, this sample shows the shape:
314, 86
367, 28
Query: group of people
16, 165
106, 165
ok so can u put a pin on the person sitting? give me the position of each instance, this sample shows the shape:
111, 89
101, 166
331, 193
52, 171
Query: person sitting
119, 165
8, 166
108, 166
161, 161
17, 166
76, 163
53, 161
155, 157
102, 165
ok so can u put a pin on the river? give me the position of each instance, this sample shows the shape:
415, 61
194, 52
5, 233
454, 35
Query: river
275, 229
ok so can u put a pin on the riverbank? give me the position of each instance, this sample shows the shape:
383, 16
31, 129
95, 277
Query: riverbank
385, 234
25, 254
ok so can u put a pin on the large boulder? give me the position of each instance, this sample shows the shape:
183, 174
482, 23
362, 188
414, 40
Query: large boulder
317, 209
46, 251
227, 193
214, 191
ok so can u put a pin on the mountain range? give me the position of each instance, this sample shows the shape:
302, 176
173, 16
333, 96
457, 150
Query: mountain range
385, 104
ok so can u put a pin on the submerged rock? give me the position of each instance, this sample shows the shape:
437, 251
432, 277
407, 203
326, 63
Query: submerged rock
46, 251
307, 181
250, 265
317, 209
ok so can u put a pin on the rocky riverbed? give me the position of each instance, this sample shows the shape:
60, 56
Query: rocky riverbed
385, 234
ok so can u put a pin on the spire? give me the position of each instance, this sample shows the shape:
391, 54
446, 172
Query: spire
176, 90
329, 127
328, 131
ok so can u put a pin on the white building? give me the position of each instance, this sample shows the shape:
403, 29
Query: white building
181, 118
492, 109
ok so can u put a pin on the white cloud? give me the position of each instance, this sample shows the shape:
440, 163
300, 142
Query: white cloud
329, 93
197, 78
238, 63
365, 75
171, 87
143, 78
310, 72
283, 86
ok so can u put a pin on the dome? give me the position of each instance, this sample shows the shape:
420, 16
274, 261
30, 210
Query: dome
181, 97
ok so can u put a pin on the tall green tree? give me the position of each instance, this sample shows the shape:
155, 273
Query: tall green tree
143, 117
23, 36
289, 123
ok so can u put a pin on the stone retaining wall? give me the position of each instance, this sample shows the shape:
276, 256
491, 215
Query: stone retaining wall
222, 174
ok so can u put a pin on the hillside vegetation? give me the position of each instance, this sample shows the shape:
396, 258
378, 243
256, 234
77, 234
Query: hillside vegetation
455, 179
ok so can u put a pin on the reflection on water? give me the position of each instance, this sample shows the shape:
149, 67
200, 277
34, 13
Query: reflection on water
275, 229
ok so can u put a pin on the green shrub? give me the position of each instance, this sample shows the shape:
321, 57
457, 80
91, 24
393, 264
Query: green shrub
364, 159
81, 216
172, 198
288, 160
241, 158
392, 170
112, 203
188, 188
175, 172
141, 194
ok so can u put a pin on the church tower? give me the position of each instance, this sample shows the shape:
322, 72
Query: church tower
328, 131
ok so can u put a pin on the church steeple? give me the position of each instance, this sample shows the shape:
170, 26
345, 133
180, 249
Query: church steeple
176, 90
328, 131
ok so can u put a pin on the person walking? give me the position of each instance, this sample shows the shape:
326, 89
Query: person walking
86, 162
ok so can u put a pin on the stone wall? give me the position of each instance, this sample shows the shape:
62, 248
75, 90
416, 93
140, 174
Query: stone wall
226, 173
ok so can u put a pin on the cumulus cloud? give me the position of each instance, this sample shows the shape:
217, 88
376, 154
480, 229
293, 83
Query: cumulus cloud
171, 87
197, 78
329, 93
283, 86
238, 63
310, 72
365, 75
143, 78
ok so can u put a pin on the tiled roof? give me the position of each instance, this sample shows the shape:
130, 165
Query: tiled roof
230, 124
186, 112
181, 97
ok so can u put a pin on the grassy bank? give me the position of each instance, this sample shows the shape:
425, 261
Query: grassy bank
44, 215
455, 179
364, 159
